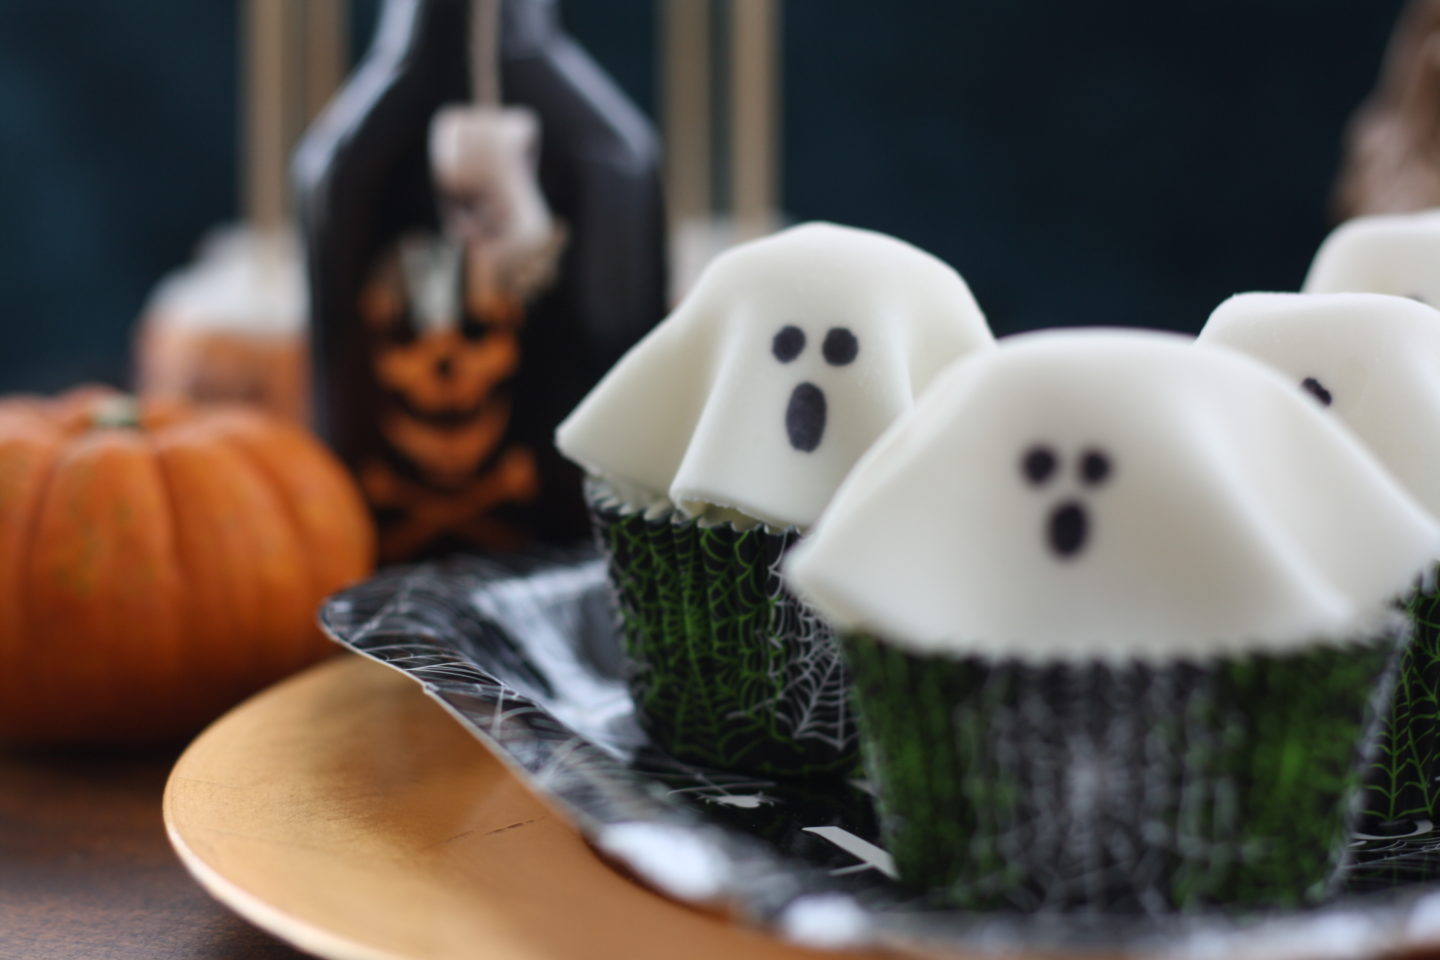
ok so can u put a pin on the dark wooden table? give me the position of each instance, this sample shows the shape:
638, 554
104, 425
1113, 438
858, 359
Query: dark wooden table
87, 874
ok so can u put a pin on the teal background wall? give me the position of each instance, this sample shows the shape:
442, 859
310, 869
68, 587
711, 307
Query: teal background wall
1122, 162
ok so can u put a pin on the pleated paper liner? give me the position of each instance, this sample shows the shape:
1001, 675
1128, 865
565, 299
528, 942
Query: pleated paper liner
728, 668
1403, 787
1122, 788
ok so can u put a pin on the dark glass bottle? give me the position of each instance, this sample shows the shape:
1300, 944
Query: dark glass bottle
385, 391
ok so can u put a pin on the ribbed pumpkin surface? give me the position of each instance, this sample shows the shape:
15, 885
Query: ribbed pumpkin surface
158, 562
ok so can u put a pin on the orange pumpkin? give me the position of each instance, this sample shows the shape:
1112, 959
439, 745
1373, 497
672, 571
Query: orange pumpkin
159, 562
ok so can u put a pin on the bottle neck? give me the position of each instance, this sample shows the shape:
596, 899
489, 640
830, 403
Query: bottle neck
527, 26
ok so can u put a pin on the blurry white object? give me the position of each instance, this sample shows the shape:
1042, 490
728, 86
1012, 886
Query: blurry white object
484, 160
241, 281
1394, 253
1371, 359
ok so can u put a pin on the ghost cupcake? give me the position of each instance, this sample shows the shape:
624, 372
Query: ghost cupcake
1394, 254
1116, 614
1373, 362
715, 443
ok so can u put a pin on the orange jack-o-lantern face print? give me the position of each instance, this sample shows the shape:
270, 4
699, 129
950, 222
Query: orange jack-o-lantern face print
446, 372
441, 364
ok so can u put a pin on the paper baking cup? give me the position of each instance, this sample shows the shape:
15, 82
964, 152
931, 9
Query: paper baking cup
1136, 788
728, 668
1403, 788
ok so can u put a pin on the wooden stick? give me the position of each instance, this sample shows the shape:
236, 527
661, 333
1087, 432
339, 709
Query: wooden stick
754, 82
266, 148
326, 53
485, 52
685, 92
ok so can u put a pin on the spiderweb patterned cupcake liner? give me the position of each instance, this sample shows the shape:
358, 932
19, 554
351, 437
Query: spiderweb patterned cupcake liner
1130, 789
728, 668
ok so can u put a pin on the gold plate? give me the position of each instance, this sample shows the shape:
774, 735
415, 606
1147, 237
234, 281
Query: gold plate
346, 813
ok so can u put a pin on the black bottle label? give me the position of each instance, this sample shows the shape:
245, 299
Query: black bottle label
463, 306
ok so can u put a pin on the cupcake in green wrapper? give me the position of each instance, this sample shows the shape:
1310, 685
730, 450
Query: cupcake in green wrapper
1372, 361
1118, 614
714, 444
727, 668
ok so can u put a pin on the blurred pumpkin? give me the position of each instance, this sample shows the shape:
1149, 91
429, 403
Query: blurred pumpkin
160, 562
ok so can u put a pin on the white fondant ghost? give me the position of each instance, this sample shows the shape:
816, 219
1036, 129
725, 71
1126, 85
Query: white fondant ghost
786, 361
1372, 359
1103, 493
1398, 254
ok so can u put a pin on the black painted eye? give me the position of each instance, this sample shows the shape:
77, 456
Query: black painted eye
788, 343
401, 330
1317, 390
840, 346
1038, 465
1094, 468
473, 329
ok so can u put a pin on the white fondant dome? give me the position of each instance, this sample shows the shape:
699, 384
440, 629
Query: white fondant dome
242, 281
788, 359
1108, 493
1396, 254
1373, 360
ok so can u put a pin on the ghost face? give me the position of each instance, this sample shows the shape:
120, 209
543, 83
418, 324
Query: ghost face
1102, 493
1372, 361
1396, 255
787, 361
1067, 524
805, 414
799, 395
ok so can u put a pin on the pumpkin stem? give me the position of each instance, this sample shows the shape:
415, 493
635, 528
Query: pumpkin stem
117, 413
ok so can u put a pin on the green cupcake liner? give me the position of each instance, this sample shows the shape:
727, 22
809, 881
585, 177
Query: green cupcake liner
1404, 783
727, 667
1130, 788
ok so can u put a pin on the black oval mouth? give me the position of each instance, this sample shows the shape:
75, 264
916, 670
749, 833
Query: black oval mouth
1069, 529
805, 417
